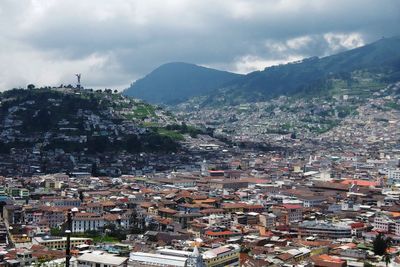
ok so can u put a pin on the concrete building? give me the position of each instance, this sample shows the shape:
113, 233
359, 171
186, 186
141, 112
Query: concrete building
227, 255
393, 176
82, 222
59, 242
101, 259
229, 184
311, 201
268, 220
324, 229
137, 259
167, 258
288, 213
387, 223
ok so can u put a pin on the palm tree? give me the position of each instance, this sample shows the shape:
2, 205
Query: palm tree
381, 244
387, 258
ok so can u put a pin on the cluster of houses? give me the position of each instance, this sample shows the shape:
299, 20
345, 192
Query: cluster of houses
268, 211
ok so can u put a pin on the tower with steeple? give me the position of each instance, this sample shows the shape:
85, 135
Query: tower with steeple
195, 259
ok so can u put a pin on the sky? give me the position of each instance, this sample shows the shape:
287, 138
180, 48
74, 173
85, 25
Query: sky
114, 42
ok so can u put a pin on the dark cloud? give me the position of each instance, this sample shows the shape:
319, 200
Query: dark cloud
114, 42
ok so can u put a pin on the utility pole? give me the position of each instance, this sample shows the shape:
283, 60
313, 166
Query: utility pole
68, 232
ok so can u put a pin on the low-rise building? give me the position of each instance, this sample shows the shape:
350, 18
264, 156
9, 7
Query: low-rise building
268, 220
55, 242
85, 221
288, 213
227, 255
101, 259
324, 229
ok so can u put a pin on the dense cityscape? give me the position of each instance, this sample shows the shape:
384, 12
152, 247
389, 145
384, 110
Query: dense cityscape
321, 199
279, 146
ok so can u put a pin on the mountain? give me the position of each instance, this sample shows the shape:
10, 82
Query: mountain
82, 121
176, 82
313, 75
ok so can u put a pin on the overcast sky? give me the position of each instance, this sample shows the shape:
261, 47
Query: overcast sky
114, 42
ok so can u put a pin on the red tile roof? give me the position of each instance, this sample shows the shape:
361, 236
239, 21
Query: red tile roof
222, 233
359, 182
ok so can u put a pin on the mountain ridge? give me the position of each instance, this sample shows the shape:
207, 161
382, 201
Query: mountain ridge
308, 76
382, 56
175, 82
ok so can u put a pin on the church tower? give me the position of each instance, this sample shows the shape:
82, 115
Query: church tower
195, 259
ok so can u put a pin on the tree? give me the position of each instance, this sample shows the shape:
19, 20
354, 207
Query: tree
133, 144
56, 231
81, 196
31, 86
381, 244
386, 258
95, 171
42, 260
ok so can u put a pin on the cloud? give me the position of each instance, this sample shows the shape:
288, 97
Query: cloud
115, 42
25, 65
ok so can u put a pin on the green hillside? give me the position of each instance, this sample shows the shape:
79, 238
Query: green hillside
314, 75
82, 121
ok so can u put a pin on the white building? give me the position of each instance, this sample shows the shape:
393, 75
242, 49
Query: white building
54, 242
100, 259
393, 176
219, 220
82, 222
167, 258
383, 223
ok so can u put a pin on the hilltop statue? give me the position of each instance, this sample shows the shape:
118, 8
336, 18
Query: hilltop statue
78, 76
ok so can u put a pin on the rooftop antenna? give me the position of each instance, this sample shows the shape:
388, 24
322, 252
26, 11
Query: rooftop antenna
78, 76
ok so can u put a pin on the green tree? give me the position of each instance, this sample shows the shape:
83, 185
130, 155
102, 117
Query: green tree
381, 244
387, 258
81, 196
55, 231
95, 171
133, 144
31, 86
41, 261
